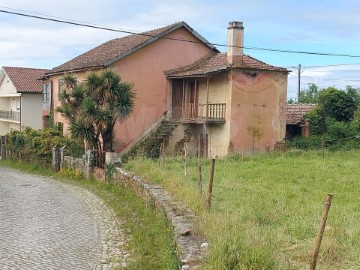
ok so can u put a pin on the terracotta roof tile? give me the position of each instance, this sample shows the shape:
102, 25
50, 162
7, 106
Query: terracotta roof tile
295, 112
115, 49
217, 63
26, 80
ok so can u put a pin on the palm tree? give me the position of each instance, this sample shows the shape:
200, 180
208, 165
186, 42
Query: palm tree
93, 107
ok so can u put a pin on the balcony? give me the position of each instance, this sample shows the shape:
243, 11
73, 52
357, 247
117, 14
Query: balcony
10, 116
200, 113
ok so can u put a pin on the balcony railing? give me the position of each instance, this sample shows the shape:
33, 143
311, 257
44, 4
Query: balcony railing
10, 115
214, 112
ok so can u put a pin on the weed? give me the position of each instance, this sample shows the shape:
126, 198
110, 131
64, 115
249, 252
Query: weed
266, 208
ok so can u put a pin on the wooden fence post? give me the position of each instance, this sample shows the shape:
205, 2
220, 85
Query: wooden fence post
200, 174
321, 231
161, 154
185, 160
211, 183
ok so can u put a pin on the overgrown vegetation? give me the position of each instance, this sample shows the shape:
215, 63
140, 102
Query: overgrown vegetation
266, 208
149, 147
150, 235
335, 122
35, 146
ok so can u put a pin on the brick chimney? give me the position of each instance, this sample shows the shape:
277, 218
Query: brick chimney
235, 43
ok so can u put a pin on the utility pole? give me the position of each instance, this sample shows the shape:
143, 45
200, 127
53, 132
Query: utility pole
299, 71
299, 78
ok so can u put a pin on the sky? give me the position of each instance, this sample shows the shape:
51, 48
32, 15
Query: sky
322, 26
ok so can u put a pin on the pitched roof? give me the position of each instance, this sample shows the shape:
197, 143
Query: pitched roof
217, 63
26, 80
295, 112
116, 49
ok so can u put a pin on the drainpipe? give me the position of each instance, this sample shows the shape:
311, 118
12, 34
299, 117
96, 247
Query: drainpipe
183, 101
20, 111
207, 116
207, 98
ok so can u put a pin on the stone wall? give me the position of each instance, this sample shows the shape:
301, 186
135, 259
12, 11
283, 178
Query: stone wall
191, 247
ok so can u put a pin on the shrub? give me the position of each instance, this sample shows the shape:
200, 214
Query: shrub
36, 145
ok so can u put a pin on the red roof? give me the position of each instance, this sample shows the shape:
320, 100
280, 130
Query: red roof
26, 80
116, 49
295, 112
217, 63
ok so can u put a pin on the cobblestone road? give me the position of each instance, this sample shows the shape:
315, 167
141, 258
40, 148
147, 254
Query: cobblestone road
46, 224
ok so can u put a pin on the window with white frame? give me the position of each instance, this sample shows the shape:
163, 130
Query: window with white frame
46, 92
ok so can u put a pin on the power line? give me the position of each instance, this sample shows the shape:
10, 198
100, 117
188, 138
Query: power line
76, 23
330, 65
334, 65
331, 79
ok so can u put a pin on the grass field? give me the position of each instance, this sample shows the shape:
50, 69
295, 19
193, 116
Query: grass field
266, 209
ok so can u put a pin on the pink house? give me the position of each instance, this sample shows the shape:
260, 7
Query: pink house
218, 102
141, 59
229, 102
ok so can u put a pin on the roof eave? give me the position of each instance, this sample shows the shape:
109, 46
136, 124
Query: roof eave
2, 75
261, 69
29, 92
46, 75
198, 75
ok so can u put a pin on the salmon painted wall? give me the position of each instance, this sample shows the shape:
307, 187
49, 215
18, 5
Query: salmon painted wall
145, 68
80, 76
218, 134
258, 109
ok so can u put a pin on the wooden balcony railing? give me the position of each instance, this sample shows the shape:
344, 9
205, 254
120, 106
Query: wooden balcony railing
10, 115
201, 112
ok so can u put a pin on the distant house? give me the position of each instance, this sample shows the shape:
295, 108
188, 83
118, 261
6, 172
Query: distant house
217, 102
20, 98
296, 125
229, 101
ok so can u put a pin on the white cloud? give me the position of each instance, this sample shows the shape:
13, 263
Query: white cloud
337, 76
326, 26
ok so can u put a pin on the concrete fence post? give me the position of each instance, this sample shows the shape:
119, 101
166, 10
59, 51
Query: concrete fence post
56, 159
3, 147
63, 152
112, 158
89, 163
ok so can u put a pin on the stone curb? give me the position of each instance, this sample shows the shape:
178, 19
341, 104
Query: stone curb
189, 246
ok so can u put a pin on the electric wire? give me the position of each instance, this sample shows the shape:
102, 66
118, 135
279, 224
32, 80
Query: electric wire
76, 23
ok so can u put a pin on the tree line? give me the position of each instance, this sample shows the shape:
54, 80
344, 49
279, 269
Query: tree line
336, 118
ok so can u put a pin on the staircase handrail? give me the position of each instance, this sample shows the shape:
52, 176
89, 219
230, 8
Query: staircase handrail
148, 132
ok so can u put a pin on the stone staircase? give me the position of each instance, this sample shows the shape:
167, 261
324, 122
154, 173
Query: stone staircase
166, 129
150, 145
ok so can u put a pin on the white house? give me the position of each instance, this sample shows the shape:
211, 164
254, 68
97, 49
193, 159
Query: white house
20, 98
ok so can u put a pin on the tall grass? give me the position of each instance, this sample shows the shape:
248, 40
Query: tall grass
266, 209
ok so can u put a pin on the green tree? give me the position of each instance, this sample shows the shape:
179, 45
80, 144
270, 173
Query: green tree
291, 101
334, 105
93, 107
337, 104
310, 94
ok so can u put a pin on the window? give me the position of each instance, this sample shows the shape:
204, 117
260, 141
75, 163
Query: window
61, 86
66, 86
46, 92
